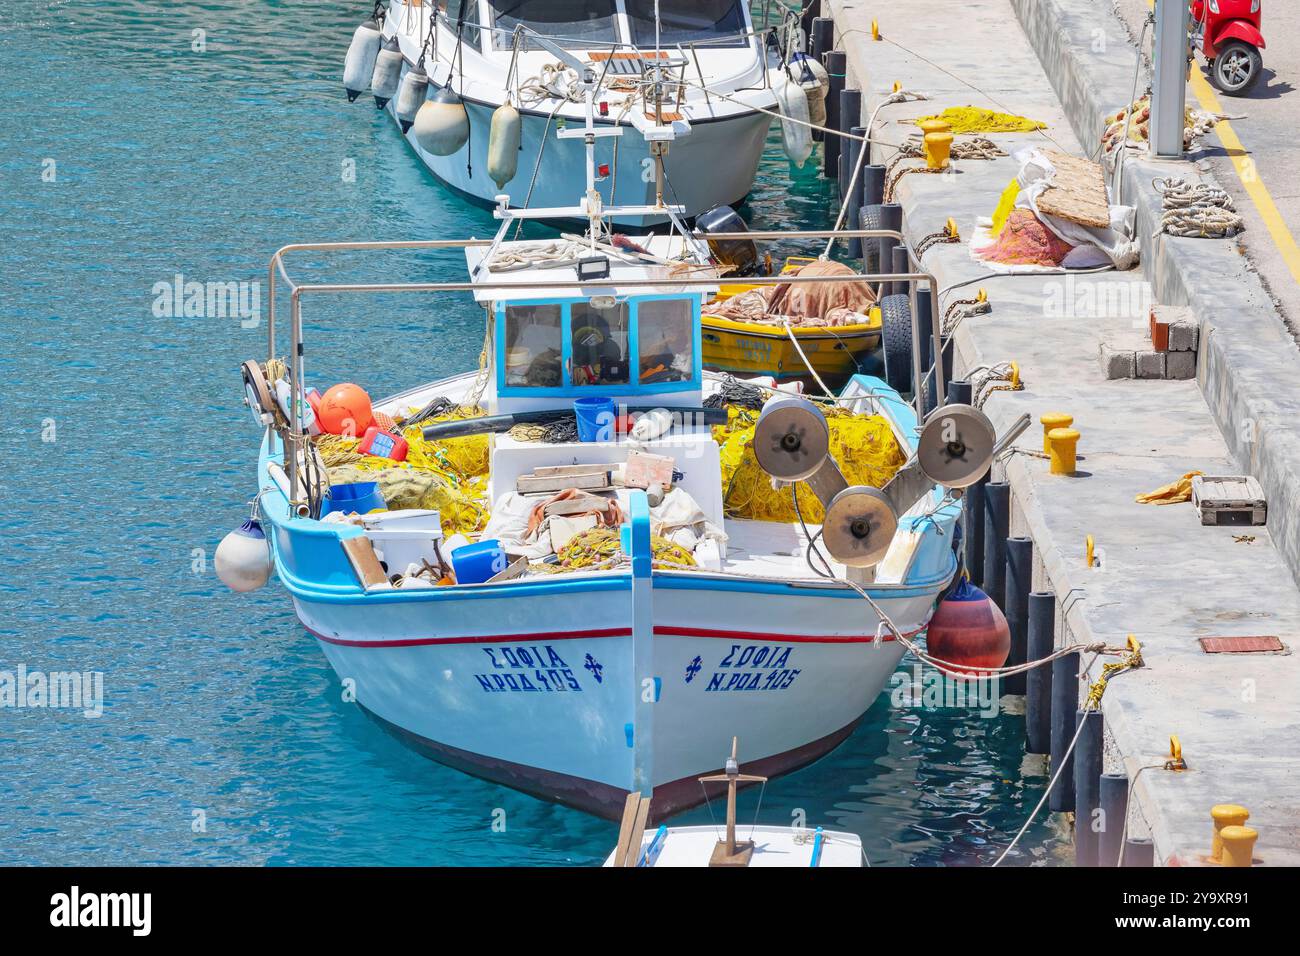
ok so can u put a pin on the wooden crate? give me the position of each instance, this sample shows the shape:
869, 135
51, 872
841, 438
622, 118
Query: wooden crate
1229, 499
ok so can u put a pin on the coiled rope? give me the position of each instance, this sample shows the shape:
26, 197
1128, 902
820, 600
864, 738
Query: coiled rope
1198, 210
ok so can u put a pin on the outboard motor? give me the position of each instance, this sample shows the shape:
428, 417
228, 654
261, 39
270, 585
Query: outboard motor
740, 256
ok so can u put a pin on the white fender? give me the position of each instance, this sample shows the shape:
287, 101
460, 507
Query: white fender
441, 125
410, 96
791, 100
503, 145
811, 75
387, 73
359, 65
243, 559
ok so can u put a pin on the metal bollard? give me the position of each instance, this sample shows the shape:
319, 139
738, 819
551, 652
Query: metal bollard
836, 65
1114, 806
1041, 640
997, 515
1065, 701
1087, 786
1019, 578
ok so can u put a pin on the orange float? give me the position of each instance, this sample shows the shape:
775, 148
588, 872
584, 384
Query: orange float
345, 410
968, 632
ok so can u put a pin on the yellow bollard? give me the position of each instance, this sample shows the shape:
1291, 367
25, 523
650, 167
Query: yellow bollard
1054, 420
875, 30
937, 142
1061, 448
1089, 546
1238, 845
1225, 815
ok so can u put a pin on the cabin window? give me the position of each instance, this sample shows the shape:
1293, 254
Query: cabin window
534, 346
599, 344
572, 24
665, 333
715, 22
453, 10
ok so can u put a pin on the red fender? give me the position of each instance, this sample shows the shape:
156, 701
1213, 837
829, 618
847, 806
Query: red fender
1236, 30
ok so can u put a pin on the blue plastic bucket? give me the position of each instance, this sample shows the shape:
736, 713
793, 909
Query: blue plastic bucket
475, 563
362, 497
595, 418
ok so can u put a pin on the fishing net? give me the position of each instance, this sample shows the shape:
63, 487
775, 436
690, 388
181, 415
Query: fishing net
972, 119
1024, 240
864, 446
599, 546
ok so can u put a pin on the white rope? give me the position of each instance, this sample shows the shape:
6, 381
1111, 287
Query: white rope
1198, 210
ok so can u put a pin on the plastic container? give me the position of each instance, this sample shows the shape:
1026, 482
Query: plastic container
475, 563
595, 418
383, 444
361, 497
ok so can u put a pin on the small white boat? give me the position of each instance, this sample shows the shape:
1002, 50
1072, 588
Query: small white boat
696, 87
629, 670
708, 846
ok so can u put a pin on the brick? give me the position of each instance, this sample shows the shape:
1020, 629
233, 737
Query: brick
1180, 365
1117, 362
1150, 364
1159, 332
1183, 335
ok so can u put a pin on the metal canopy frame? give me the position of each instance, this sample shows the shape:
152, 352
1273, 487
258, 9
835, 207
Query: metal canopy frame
297, 290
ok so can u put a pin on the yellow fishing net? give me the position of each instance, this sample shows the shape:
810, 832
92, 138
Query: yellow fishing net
597, 546
972, 119
864, 446
1006, 203
450, 475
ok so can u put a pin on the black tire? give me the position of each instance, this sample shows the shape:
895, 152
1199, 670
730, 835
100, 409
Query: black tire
896, 341
1236, 68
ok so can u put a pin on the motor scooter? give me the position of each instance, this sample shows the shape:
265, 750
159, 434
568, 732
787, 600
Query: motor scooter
1227, 34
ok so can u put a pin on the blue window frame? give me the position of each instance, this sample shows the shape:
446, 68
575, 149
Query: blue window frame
530, 354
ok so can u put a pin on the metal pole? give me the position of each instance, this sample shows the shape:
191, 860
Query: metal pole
1065, 701
1169, 79
1087, 786
1038, 682
1019, 578
997, 516
1114, 805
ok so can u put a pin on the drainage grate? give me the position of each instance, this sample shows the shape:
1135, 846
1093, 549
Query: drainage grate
1257, 644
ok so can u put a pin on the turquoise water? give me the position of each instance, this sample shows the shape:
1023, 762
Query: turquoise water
127, 158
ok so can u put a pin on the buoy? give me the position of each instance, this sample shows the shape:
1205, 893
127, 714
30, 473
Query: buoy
387, 73
503, 145
442, 125
410, 96
345, 410
243, 560
815, 82
359, 65
792, 102
968, 632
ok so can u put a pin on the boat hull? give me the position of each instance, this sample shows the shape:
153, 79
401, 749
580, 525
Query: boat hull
751, 348
496, 687
715, 163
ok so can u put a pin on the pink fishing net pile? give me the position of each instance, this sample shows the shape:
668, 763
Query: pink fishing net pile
1025, 241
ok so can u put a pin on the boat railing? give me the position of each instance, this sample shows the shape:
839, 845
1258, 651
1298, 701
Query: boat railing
293, 442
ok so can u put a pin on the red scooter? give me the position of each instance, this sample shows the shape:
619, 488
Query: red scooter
1227, 34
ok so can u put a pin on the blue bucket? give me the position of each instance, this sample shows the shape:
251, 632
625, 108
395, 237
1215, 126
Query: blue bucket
595, 418
475, 563
362, 497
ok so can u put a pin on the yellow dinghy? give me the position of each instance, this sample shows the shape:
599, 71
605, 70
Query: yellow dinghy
758, 348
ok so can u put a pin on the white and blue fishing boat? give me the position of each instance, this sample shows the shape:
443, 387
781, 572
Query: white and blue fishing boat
583, 682
480, 87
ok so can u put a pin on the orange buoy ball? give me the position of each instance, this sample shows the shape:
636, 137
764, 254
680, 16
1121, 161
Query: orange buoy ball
968, 632
345, 410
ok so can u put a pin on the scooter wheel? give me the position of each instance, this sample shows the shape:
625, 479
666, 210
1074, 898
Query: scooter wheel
1236, 68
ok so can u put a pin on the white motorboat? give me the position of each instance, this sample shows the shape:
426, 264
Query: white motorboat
696, 80
633, 600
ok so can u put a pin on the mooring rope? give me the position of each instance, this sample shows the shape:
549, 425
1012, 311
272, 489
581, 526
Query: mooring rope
1198, 210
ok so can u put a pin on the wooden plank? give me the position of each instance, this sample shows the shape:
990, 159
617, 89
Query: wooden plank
638, 830
1077, 193
644, 469
532, 484
626, 828
364, 561
513, 570
576, 506
1229, 499
1248, 644
571, 470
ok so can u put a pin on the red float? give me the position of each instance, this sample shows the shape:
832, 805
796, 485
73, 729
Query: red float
345, 410
968, 632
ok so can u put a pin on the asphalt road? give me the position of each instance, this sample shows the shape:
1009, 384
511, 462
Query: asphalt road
1265, 121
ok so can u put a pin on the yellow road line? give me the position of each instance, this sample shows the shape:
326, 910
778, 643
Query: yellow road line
1247, 173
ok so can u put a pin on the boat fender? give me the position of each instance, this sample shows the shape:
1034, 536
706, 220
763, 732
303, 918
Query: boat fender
441, 125
792, 102
813, 79
968, 632
243, 560
359, 65
503, 145
410, 96
387, 73
651, 425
